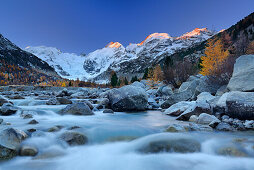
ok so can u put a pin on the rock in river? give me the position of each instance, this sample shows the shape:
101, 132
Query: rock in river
10, 140
77, 109
128, 98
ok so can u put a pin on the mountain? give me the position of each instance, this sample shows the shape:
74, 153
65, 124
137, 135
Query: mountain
67, 65
135, 58
235, 39
13, 55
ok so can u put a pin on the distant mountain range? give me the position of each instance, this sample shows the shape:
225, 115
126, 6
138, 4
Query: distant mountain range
127, 61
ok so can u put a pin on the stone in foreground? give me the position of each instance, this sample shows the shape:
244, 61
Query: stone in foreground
128, 98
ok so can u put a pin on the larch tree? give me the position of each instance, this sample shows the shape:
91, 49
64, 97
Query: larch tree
215, 57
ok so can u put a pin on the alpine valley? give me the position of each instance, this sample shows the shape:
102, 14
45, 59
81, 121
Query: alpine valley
126, 61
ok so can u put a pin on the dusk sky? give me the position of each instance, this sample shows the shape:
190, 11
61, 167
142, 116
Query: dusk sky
86, 25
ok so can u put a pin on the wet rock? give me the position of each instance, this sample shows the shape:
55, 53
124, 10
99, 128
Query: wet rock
15, 96
128, 98
89, 104
53, 101
10, 140
214, 123
27, 116
63, 93
205, 118
27, 150
1, 121
242, 78
183, 145
108, 111
231, 151
176, 128
77, 109
64, 100
223, 126
193, 118
8, 109
73, 127
31, 130
104, 102
179, 108
3, 100
74, 138
33, 122
196, 109
55, 128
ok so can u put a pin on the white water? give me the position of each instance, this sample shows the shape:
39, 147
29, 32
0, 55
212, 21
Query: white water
102, 154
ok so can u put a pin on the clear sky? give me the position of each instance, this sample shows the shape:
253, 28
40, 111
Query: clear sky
86, 25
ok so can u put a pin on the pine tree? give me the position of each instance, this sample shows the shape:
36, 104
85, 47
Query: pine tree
114, 79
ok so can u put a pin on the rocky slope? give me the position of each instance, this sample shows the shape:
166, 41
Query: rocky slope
12, 54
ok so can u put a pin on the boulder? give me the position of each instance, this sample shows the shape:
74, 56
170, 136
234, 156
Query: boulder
10, 140
180, 145
77, 109
15, 96
89, 104
8, 109
179, 108
196, 109
205, 118
176, 128
194, 118
231, 151
205, 96
138, 84
205, 86
64, 100
223, 126
240, 105
27, 150
108, 111
52, 101
164, 90
3, 100
128, 98
242, 78
177, 97
33, 122
74, 138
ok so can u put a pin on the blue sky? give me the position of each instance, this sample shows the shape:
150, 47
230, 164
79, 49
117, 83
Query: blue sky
86, 25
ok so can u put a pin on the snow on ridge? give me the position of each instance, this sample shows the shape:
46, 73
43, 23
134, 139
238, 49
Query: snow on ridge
67, 65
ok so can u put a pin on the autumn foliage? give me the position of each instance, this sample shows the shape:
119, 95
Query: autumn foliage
217, 64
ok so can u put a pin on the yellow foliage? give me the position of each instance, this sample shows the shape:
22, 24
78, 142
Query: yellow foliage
155, 76
214, 58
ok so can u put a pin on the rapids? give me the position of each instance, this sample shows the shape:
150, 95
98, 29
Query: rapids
114, 140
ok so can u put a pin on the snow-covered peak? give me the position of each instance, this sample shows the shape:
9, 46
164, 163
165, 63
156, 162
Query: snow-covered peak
196, 32
66, 65
43, 51
155, 36
114, 45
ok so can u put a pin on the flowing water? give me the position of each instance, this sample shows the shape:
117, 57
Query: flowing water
114, 140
